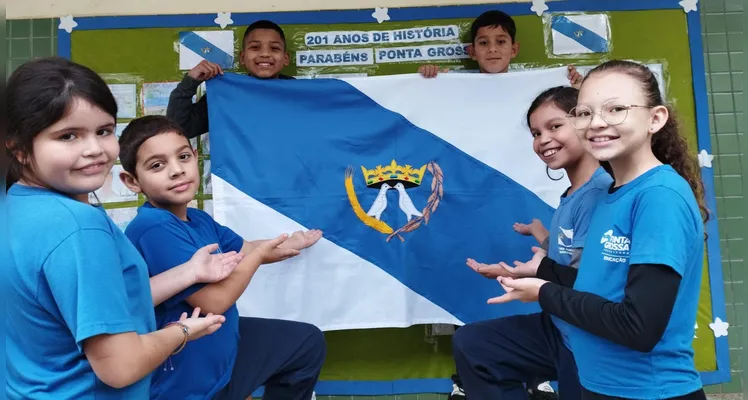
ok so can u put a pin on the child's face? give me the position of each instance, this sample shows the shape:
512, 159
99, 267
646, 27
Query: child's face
554, 138
493, 49
74, 156
264, 55
612, 93
167, 171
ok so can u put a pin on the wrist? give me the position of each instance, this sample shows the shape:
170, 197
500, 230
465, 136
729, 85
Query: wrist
184, 330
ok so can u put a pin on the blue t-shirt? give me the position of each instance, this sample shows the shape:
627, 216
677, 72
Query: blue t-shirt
204, 366
653, 219
570, 223
571, 219
76, 276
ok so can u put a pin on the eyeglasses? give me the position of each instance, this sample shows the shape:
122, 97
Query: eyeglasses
613, 114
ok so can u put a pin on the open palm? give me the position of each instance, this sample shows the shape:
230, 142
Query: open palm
214, 267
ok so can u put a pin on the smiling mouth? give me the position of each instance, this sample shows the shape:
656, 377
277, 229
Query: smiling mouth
93, 168
550, 152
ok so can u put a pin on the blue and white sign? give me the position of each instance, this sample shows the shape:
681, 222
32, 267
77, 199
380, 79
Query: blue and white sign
214, 46
580, 34
422, 53
327, 58
411, 35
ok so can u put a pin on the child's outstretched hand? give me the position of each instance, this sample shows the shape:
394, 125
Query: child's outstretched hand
430, 71
271, 251
575, 78
209, 267
525, 290
529, 229
300, 240
205, 70
201, 326
520, 269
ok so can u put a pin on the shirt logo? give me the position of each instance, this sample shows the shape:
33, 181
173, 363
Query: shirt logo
565, 239
615, 248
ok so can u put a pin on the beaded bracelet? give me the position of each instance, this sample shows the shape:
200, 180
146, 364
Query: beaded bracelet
185, 330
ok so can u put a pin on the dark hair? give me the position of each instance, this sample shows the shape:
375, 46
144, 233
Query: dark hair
264, 24
40, 93
493, 18
137, 132
668, 145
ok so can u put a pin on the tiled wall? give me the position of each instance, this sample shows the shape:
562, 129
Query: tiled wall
723, 45
722, 31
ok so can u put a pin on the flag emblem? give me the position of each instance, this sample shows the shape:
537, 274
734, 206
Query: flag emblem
399, 178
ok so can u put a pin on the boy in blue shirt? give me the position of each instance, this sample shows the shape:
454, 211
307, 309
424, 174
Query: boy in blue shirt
246, 353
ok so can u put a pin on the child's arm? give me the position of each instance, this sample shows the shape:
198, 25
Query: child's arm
299, 240
122, 359
534, 229
220, 296
193, 118
203, 267
93, 292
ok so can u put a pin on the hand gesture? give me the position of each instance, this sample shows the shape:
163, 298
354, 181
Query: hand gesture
525, 290
529, 229
302, 240
520, 269
204, 71
270, 251
200, 327
430, 71
575, 78
208, 267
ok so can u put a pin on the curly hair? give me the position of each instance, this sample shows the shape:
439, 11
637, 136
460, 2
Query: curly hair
668, 145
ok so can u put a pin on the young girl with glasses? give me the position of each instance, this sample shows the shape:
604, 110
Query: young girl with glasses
632, 303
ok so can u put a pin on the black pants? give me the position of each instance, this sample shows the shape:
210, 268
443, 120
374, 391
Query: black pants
285, 356
494, 358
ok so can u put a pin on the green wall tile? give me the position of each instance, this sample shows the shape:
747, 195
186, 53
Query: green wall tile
734, 41
719, 62
20, 48
723, 103
716, 41
20, 28
732, 5
734, 22
43, 27
725, 123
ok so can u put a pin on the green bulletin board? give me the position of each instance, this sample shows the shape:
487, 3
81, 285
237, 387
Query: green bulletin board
150, 55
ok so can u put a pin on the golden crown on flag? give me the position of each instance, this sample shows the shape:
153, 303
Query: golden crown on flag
393, 173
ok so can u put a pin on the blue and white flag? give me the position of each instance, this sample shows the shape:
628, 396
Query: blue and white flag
214, 46
580, 34
406, 176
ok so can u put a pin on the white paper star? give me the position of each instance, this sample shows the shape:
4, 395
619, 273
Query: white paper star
719, 327
705, 159
224, 19
380, 14
695, 328
67, 23
538, 7
688, 5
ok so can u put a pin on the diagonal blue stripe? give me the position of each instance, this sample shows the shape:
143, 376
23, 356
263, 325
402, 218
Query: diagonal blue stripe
588, 38
206, 49
290, 149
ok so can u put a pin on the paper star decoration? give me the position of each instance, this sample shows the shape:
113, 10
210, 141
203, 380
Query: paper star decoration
538, 7
224, 19
380, 14
695, 327
719, 327
705, 159
67, 23
688, 5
